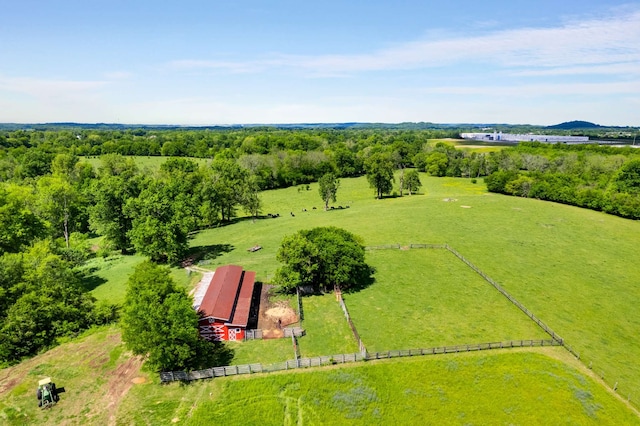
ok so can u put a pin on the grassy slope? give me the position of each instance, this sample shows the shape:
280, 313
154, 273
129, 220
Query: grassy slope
94, 369
488, 388
572, 267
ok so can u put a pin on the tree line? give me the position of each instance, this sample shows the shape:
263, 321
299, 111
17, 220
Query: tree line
51, 201
595, 177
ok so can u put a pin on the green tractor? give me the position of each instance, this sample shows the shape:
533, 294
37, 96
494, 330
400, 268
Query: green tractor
47, 393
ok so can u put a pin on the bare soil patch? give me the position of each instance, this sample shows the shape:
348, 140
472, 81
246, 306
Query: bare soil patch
119, 384
274, 315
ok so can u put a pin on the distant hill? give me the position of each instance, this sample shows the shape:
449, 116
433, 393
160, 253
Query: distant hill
572, 125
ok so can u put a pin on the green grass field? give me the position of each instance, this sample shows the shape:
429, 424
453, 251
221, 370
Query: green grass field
425, 298
573, 268
326, 326
150, 163
105, 386
110, 276
497, 388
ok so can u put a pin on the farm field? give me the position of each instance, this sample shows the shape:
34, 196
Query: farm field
572, 268
105, 385
471, 145
425, 298
485, 389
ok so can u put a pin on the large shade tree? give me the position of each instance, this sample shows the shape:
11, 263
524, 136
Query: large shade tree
380, 167
159, 321
321, 258
118, 183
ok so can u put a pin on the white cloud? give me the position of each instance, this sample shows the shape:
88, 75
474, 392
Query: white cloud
594, 42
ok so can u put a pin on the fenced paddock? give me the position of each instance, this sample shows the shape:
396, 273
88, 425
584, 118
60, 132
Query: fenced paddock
327, 331
363, 354
428, 298
320, 361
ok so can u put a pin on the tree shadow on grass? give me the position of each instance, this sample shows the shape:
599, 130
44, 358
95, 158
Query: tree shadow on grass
90, 281
206, 253
235, 220
364, 279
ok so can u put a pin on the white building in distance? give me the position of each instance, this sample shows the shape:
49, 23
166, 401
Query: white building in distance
516, 137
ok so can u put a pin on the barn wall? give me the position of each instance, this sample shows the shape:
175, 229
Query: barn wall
214, 330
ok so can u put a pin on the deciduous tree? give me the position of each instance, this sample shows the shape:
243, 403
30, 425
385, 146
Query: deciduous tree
380, 167
321, 258
159, 321
412, 181
328, 189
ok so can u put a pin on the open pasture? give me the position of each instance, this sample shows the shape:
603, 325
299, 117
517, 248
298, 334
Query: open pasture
424, 298
473, 146
106, 386
573, 268
487, 388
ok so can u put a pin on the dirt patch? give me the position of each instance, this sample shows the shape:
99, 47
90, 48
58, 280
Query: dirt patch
119, 384
6, 387
273, 316
281, 314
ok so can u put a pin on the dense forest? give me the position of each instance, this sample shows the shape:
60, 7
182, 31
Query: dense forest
52, 200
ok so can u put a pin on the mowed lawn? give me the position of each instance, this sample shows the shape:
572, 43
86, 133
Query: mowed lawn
424, 298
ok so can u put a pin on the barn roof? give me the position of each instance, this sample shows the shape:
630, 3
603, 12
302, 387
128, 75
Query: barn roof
228, 297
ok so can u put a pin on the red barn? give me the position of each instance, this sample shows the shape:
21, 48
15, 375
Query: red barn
226, 304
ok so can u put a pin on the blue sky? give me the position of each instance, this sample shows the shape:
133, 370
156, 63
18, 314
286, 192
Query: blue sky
226, 62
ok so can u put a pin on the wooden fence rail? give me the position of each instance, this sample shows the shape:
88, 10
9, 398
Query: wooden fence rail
171, 376
361, 346
257, 334
519, 305
487, 278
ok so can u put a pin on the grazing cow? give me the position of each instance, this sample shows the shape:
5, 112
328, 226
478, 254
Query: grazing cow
293, 214
314, 208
